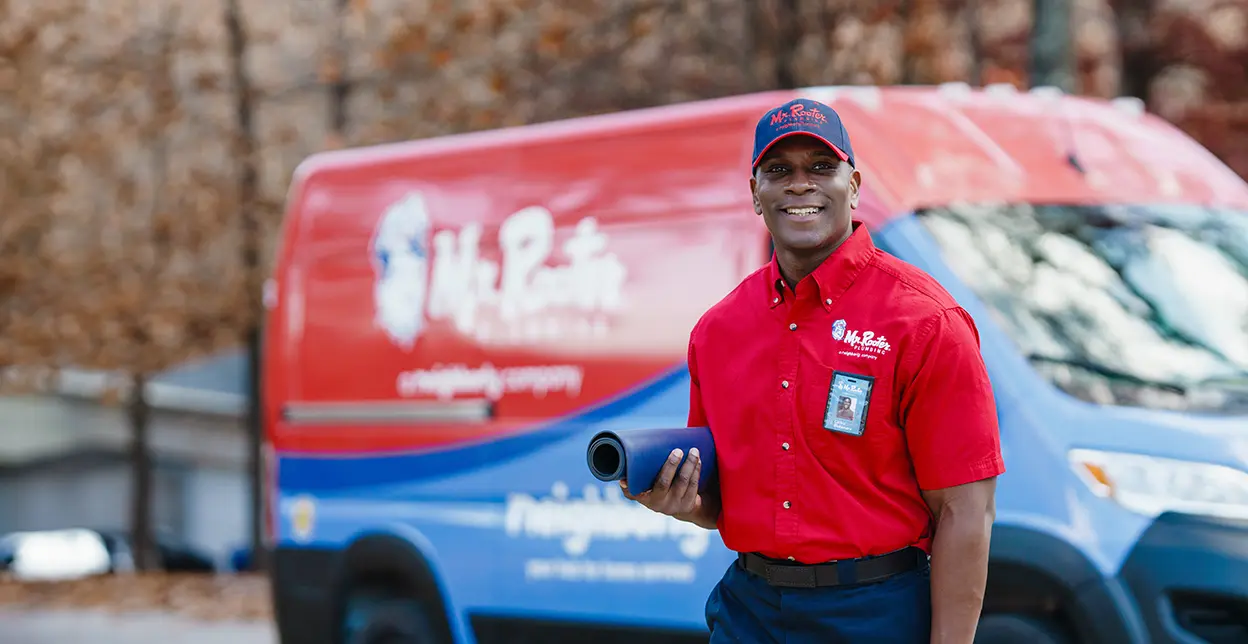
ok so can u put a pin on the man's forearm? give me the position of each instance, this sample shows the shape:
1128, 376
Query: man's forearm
959, 573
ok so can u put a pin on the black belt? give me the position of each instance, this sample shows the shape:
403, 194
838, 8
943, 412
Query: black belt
837, 573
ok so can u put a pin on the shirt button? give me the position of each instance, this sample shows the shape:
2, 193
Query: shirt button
776, 301
787, 505
784, 383
793, 327
828, 301
784, 446
792, 559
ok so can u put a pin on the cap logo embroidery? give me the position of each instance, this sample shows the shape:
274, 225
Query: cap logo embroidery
796, 115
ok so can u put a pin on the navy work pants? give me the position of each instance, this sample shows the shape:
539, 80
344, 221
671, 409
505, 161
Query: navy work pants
745, 608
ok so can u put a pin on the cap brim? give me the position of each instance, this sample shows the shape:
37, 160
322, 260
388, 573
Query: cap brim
839, 152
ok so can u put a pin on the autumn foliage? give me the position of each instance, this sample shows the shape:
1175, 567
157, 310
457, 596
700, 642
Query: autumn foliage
118, 240
124, 152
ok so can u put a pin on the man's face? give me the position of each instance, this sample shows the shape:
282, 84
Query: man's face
805, 193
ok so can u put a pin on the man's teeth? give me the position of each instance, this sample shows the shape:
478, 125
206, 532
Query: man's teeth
802, 212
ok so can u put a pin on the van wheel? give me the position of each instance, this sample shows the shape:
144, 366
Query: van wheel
1017, 629
374, 620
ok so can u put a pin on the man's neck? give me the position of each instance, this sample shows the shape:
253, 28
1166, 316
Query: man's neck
796, 265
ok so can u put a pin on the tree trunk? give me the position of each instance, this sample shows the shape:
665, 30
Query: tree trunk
1139, 61
789, 32
1052, 51
255, 434
141, 491
252, 232
971, 14
776, 29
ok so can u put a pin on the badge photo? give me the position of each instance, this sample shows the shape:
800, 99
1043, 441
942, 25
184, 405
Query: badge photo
849, 396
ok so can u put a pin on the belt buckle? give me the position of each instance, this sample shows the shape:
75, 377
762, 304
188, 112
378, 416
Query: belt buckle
791, 576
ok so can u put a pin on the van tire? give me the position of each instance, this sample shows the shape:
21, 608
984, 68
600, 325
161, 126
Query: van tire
1017, 629
370, 620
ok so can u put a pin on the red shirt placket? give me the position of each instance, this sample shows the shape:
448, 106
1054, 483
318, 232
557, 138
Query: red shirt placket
787, 427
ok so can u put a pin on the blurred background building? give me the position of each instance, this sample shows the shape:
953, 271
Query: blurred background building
64, 457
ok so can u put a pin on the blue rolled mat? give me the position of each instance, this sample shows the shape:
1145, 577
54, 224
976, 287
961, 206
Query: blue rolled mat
639, 454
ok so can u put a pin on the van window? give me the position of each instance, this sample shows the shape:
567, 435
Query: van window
1133, 305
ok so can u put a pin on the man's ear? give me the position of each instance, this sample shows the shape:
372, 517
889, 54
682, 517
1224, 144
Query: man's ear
758, 205
855, 181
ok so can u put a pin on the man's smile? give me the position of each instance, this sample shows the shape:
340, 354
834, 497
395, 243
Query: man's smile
802, 212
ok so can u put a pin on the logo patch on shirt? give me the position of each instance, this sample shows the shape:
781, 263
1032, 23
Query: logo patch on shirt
849, 396
864, 344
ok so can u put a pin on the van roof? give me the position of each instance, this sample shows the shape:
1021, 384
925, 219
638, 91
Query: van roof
917, 146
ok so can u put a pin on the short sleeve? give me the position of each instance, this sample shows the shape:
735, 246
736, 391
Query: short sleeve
946, 407
697, 412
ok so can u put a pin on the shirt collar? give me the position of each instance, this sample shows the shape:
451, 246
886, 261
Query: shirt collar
834, 276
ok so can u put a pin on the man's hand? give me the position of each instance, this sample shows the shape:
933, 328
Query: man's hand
676, 494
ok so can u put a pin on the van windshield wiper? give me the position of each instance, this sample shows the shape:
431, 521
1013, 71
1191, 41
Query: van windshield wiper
1107, 372
1230, 382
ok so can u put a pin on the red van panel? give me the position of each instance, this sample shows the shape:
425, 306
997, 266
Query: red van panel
453, 295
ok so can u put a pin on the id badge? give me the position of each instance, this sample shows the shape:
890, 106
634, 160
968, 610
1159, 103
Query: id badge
848, 398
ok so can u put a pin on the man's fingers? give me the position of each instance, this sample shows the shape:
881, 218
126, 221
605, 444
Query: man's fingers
686, 474
691, 490
664, 479
673, 491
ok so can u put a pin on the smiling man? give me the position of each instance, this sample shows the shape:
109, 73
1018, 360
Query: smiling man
869, 526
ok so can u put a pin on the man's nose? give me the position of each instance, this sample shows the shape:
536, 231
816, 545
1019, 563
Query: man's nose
799, 184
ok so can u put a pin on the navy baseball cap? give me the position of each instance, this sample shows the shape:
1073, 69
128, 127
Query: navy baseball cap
806, 117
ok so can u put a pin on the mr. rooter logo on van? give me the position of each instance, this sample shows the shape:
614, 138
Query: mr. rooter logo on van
424, 275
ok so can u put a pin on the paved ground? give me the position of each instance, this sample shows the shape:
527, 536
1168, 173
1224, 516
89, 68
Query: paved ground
81, 627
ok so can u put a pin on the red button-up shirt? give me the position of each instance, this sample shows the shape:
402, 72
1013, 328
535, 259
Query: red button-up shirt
782, 376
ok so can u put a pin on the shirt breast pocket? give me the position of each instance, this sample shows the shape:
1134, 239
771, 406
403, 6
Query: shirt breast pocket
850, 402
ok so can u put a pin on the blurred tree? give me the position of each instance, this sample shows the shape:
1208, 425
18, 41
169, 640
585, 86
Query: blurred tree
1004, 31
776, 24
250, 259
493, 63
1097, 50
1198, 56
941, 41
1132, 20
1052, 51
119, 188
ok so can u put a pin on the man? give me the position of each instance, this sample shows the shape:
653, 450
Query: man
845, 409
872, 528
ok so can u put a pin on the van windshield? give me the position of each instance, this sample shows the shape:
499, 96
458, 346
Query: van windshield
1135, 305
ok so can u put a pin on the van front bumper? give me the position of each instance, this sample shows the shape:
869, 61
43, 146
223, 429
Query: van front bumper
1189, 577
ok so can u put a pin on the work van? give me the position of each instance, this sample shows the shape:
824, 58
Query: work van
452, 319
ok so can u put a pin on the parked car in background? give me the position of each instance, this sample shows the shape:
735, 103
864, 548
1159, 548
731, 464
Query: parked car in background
54, 554
172, 554
80, 552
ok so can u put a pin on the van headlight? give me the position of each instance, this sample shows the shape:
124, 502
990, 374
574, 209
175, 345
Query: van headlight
1151, 485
